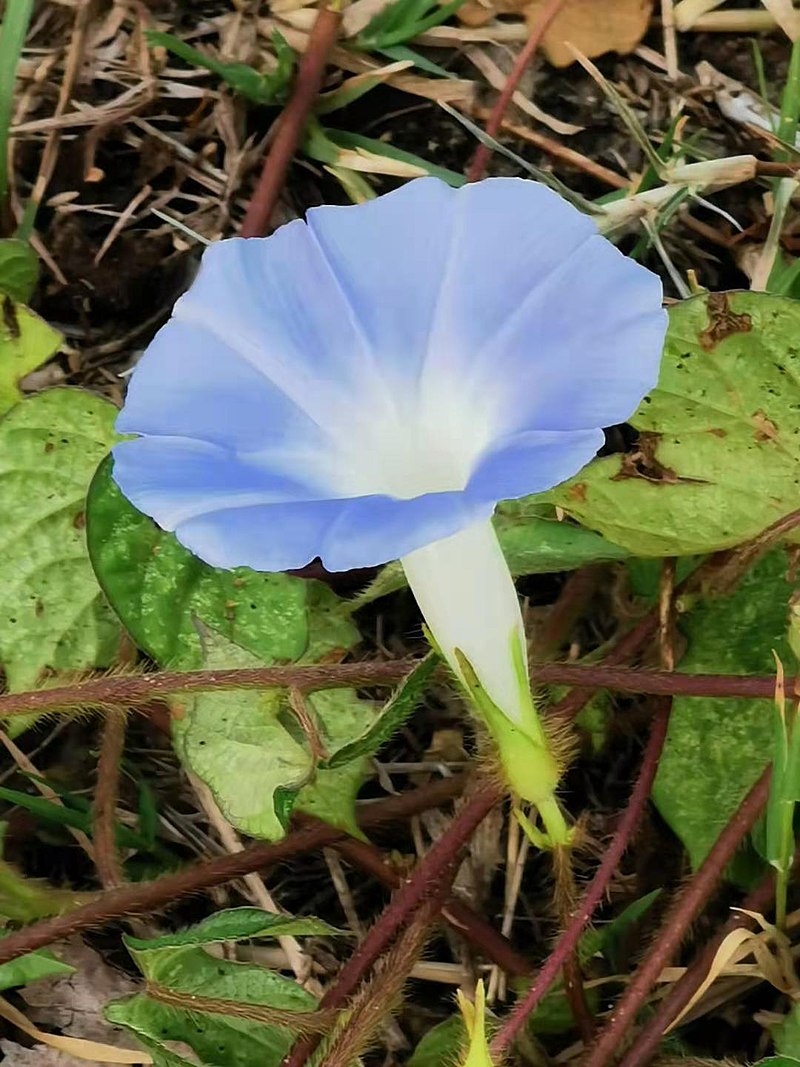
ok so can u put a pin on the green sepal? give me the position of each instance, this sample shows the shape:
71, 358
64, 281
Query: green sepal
530, 768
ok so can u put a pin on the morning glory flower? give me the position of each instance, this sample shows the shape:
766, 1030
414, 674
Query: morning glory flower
367, 384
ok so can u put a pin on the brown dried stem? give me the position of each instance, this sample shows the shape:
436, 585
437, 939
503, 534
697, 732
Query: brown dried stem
292, 122
684, 910
151, 896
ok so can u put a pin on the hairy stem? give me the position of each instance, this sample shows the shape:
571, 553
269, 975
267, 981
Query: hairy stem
151, 896
139, 691
684, 910
406, 900
104, 812
647, 1042
568, 941
360, 1022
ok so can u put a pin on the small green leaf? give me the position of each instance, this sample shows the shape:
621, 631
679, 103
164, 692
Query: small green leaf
19, 270
608, 938
23, 900
53, 615
347, 140
32, 967
786, 1035
401, 20
397, 711
26, 341
235, 924
237, 743
242, 78
442, 1044
719, 452
217, 1040
716, 749
331, 793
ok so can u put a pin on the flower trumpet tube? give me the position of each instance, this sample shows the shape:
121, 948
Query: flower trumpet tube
367, 384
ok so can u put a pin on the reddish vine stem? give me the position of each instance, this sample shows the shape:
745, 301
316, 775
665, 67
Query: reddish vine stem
104, 811
480, 160
377, 998
568, 941
138, 691
406, 900
292, 122
684, 910
648, 1040
138, 899
717, 575
470, 924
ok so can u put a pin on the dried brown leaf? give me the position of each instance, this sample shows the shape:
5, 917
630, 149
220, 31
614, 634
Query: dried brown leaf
594, 27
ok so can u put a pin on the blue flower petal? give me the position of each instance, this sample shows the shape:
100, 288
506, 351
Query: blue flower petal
531, 463
346, 534
192, 383
390, 256
174, 479
446, 347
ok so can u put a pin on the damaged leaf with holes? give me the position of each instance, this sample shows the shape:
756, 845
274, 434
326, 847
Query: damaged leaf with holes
53, 617
717, 459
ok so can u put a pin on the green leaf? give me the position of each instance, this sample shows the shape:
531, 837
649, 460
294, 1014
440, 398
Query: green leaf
786, 1035
237, 742
158, 589
719, 453
533, 542
218, 1040
716, 749
401, 52
23, 900
331, 793
19, 270
32, 967
26, 341
401, 20
235, 924
441, 1045
396, 712
53, 615
242, 78
608, 938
